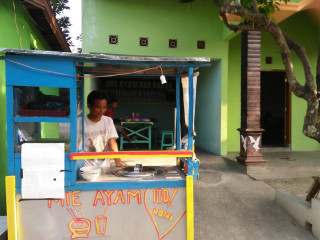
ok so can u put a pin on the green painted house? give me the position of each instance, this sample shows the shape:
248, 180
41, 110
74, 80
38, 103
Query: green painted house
177, 29
28, 24
194, 29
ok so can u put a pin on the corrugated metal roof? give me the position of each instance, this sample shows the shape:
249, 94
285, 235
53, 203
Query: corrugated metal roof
102, 56
97, 64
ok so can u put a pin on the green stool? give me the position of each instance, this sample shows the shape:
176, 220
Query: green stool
166, 135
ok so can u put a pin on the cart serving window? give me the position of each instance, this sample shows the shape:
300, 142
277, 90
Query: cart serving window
46, 97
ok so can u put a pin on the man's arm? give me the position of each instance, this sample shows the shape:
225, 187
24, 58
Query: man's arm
113, 147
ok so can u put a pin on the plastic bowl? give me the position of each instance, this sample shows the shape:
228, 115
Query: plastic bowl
90, 173
90, 169
90, 177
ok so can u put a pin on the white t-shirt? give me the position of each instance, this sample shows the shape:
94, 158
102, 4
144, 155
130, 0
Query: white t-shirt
97, 135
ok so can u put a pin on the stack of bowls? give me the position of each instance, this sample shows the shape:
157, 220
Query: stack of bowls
90, 173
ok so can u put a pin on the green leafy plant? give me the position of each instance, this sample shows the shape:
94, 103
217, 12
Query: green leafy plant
58, 6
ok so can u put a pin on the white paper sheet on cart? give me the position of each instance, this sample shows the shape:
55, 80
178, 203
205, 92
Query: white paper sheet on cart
42, 164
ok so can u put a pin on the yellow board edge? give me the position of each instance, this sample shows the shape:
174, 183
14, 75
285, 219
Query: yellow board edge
11, 207
123, 156
190, 207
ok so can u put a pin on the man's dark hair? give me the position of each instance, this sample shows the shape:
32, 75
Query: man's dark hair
96, 95
113, 100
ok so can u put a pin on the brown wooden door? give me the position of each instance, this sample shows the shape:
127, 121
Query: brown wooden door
275, 109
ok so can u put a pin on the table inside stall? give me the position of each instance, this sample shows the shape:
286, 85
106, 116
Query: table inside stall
139, 129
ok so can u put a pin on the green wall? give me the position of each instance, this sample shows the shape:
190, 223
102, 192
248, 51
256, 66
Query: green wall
206, 119
160, 21
310, 38
157, 20
163, 20
50, 130
234, 93
9, 38
29, 33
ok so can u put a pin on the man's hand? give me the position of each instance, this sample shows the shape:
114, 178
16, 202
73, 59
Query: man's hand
91, 148
119, 163
113, 147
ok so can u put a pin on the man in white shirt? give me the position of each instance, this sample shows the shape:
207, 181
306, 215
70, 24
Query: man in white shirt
100, 133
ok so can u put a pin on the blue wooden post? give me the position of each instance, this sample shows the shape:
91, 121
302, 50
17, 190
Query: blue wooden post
73, 132
190, 130
83, 106
10, 135
178, 79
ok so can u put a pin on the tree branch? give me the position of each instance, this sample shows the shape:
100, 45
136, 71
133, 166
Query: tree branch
301, 53
243, 12
311, 125
255, 6
225, 20
264, 23
235, 27
318, 75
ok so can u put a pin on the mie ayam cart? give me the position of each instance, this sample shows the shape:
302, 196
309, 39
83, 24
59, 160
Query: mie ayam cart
57, 205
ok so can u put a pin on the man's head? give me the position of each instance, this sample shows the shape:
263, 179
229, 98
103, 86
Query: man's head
97, 103
114, 103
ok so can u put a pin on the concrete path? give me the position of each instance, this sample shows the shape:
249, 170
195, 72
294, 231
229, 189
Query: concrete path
286, 170
285, 164
232, 205
3, 227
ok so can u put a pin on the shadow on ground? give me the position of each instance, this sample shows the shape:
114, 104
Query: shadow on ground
231, 205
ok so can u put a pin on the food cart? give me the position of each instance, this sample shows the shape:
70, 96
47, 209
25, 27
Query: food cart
46, 199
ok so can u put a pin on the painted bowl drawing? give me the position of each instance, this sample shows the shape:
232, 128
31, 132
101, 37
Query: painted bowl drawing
80, 228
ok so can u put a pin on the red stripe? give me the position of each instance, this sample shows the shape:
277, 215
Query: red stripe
168, 153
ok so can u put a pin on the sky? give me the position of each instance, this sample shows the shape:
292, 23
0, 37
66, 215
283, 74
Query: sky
75, 18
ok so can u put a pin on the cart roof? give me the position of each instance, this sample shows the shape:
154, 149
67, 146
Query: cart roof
103, 56
97, 63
